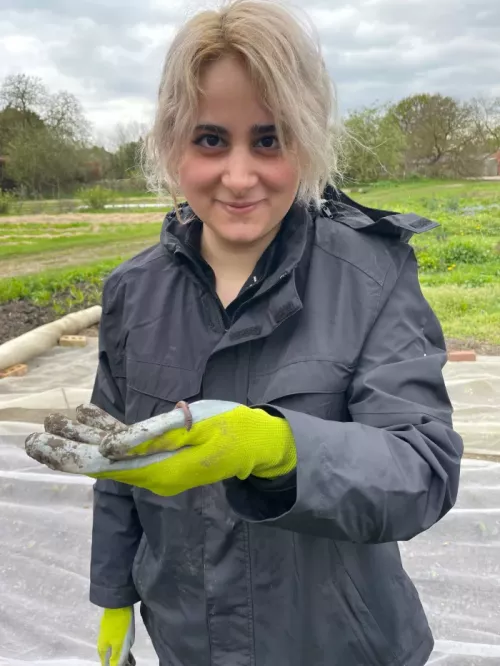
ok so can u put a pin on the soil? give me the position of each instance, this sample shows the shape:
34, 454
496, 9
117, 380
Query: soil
21, 316
18, 317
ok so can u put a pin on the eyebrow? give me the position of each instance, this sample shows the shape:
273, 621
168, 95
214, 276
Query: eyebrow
255, 130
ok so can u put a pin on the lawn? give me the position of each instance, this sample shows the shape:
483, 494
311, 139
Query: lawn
56, 262
460, 260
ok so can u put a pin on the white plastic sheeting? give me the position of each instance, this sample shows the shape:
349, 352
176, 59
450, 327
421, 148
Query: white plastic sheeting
45, 522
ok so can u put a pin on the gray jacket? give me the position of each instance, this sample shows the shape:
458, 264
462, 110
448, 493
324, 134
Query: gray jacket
333, 333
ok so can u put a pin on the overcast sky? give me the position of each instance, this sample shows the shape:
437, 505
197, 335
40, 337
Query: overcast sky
109, 52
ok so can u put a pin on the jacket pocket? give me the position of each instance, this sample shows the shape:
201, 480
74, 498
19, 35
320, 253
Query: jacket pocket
383, 601
310, 386
155, 389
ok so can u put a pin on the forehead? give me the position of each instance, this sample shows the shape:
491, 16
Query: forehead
229, 98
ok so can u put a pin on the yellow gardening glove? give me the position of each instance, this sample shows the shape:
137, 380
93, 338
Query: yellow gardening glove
222, 440
237, 443
116, 636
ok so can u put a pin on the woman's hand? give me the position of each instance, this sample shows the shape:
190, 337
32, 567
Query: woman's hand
204, 443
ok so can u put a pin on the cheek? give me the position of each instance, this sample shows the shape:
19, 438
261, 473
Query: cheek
196, 173
282, 176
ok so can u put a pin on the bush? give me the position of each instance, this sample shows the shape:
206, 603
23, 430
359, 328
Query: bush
426, 261
6, 201
445, 255
463, 252
95, 198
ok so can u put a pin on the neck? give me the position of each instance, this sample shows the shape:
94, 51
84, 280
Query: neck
230, 260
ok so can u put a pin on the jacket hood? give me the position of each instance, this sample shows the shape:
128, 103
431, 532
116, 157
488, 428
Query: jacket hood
337, 205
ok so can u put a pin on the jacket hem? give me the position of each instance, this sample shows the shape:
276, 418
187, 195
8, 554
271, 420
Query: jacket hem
418, 656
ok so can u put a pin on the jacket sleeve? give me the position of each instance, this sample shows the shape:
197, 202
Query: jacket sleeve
391, 472
116, 530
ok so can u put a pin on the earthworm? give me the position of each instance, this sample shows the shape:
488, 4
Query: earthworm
188, 419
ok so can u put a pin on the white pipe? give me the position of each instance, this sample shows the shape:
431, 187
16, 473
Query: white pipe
43, 338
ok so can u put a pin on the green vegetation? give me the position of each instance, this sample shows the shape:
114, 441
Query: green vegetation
63, 290
95, 198
40, 287
22, 240
6, 201
460, 260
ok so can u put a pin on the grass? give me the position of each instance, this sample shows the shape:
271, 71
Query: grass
24, 243
470, 313
459, 261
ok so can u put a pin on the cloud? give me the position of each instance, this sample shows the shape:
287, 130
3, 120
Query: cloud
110, 53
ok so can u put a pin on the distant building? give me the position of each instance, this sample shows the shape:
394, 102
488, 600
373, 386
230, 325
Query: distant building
491, 165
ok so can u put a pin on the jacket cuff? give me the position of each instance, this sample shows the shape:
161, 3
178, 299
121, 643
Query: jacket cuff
277, 485
256, 499
108, 597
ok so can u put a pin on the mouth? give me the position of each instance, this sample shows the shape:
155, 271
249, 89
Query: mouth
240, 206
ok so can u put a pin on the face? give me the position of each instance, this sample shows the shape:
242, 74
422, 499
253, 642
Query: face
233, 172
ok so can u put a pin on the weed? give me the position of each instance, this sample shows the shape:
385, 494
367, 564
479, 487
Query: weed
96, 198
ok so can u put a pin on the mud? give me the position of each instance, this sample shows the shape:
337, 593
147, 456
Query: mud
56, 453
95, 417
41, 455
62, 426
56, 424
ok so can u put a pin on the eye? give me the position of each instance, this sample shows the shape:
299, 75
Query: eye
267, 142
211, 141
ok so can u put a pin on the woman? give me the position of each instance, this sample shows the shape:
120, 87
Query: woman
262, 531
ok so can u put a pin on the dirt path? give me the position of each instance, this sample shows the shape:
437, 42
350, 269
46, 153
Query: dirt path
92, 218
34, 263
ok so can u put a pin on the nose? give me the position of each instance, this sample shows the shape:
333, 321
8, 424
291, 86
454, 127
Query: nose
239, 173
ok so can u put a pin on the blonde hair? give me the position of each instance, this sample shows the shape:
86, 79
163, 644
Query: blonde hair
283, 58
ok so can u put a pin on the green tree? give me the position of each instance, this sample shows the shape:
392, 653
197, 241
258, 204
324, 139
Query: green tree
375, 145
441, 135
42, 136
125, 160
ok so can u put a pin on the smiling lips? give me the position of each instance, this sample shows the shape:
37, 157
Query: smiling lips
240, 207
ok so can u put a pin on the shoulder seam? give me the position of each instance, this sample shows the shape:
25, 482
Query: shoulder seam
337, 256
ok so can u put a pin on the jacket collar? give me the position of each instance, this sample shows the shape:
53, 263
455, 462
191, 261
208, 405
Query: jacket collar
343, 209
177, 238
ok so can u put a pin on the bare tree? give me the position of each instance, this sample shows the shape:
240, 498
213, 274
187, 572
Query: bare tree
487, 118
23, 93
64, 115
125, 133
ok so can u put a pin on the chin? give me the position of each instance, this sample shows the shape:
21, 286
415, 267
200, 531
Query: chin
241, 231
243, 237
